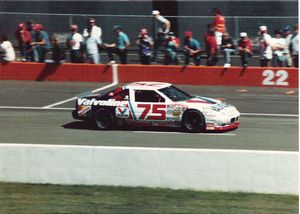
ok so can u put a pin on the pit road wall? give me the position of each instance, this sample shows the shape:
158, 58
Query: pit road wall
197, 169
190, 75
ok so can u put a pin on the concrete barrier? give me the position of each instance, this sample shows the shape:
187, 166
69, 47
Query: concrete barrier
55, 72
198, 169
190, 75
203, 75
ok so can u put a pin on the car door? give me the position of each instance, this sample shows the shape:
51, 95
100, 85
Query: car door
148, 106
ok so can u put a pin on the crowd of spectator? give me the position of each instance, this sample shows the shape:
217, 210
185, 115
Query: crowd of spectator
34, 44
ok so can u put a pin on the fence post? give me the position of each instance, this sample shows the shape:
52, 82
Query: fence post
236, 27
70, 20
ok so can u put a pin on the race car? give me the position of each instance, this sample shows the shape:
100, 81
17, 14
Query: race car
155, 104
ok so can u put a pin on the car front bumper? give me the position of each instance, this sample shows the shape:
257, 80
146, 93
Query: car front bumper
214, 127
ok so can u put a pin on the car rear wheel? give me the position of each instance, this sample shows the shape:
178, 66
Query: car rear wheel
105, 119
193, 121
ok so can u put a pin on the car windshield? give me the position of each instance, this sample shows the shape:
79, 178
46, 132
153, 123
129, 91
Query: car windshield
175, 94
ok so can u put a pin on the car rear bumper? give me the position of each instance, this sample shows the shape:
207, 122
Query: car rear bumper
75, 115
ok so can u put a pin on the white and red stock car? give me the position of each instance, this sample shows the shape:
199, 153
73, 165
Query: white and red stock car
156, 104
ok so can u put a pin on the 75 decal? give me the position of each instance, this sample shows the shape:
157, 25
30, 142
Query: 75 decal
277, 78
153, 111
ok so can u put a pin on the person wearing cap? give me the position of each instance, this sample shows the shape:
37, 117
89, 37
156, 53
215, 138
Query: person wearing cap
24, 40
161, 29
245, 48
75, 45
92, 45
30, 27
294, 46
265, 49
191, 48
219, 24
172, 45
211, 46
287, 35
228, 47
145, 44
40, 44
119, 47
278, 46
96, 30
7, 51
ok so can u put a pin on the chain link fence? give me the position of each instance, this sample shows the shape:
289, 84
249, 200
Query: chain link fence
58, 24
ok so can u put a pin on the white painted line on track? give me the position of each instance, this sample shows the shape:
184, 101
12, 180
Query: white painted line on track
16, 145
183, 133
34, 108
115, 82
60, 103
270, 115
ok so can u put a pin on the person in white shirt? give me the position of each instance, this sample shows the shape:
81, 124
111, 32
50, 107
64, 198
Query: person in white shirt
92, 45
294, 47
264, 42
278, 46
162, 27
75, 45
7, 52
287, 35
95, 30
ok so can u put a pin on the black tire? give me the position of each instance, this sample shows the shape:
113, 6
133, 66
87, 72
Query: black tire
193, 121
104, 119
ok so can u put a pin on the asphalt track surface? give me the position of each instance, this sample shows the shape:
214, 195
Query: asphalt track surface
269, 119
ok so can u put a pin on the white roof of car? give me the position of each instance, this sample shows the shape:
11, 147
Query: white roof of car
147, 85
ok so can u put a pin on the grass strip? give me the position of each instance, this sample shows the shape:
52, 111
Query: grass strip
33, 198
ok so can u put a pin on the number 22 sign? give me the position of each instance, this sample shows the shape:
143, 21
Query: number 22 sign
277, 78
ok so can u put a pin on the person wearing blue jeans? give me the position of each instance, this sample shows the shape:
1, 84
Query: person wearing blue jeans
191, 48
41, 43
245, 48
172, 45
229, 49
92, 48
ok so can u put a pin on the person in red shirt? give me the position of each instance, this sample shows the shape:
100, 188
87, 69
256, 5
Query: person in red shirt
245, 48
211, 46
219, 24
24, 40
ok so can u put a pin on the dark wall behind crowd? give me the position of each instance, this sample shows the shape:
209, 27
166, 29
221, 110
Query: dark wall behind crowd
194, 8
59, 24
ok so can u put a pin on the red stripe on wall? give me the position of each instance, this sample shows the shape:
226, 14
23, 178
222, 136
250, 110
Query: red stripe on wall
202, 75
191, 75
60, 72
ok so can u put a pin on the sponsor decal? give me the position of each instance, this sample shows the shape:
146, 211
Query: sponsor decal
82, 110
175, 111
220, 106
122, 112
169, 112
210, 126
94, 102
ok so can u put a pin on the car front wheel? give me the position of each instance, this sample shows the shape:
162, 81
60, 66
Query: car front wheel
193, 121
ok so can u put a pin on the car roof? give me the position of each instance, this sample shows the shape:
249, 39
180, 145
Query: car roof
147, 85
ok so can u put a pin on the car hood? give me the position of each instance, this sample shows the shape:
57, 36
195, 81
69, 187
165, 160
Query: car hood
205, 103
